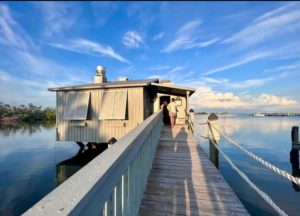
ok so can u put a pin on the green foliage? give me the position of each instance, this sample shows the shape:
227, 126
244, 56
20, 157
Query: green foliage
202, 113
29, 113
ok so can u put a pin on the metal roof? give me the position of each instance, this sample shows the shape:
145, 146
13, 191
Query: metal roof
152, 83
114, 84
172, 89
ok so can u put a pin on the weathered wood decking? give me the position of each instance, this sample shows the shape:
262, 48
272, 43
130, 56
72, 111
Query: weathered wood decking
183, 181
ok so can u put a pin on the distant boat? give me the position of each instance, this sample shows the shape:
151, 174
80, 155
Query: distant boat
258, 114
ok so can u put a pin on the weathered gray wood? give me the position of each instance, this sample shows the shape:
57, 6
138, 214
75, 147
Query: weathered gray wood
295, 134
96, 130
183, 181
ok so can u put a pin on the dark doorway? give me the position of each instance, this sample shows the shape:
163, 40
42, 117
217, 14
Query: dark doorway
164, 98
166, 117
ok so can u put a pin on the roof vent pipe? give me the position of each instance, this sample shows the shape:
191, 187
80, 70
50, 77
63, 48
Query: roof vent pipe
100, 76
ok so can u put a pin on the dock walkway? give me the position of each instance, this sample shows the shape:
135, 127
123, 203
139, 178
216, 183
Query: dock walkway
183, 181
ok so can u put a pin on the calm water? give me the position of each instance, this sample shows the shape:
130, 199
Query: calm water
32, 163
269, 138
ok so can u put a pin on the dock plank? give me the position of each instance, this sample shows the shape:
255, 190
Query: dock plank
183, 181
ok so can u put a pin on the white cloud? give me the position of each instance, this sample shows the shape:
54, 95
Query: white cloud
90, 48
242, 61
40, 67
132, 39
267, 99
142, 14
22, 91
249, 83
11, 33
175, 74
289, 67
41, 72
269, 25
206, 98
187, 37
160, 67
58, 16
103, 11
274, 12
176, 69
245, 84
158, 36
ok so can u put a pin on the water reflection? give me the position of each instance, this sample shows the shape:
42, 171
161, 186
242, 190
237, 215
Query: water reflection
294, 159
68, 167
266, 125
28, 155
241, 122
7, 130
267, 137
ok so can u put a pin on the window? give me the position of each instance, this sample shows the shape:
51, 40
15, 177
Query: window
113, 105
77, 106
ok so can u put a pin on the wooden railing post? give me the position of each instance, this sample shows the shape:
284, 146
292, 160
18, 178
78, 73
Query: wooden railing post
213, 127
295, 134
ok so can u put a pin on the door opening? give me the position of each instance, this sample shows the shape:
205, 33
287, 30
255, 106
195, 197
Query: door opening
164, 98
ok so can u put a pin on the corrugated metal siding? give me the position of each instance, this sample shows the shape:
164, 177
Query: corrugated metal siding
100, 130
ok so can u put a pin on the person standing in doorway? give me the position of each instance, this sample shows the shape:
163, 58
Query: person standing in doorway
172, 107
166, 117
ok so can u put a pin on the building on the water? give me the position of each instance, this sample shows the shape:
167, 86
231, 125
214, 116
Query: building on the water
105, 109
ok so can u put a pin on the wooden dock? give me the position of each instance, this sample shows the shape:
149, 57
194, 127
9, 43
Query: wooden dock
183, 181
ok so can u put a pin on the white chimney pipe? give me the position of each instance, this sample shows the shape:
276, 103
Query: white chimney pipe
100, 76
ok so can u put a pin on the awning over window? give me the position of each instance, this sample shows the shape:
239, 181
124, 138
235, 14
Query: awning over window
113, 105
77, 106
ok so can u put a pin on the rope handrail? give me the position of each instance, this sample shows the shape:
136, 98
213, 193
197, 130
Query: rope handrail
202, 123
263, 195
275, 169
189, 122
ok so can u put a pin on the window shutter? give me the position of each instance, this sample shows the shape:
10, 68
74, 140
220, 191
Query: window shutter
82, 105
106, 106
77, 106
113, 105
120, 105
70, 107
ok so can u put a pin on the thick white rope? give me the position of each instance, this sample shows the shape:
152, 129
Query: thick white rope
277, 170
204, 123
251, 184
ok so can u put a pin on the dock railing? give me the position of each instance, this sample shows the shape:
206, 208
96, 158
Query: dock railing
189, 121
111, 184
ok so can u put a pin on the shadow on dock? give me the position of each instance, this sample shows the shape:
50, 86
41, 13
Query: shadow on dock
183, 181
170, 189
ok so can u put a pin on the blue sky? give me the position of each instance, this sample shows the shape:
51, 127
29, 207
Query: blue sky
241, 56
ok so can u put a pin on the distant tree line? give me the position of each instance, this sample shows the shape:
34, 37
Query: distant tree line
29, 113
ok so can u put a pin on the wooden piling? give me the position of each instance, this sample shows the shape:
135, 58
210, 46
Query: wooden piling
213, 127
295, 134
213, 154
